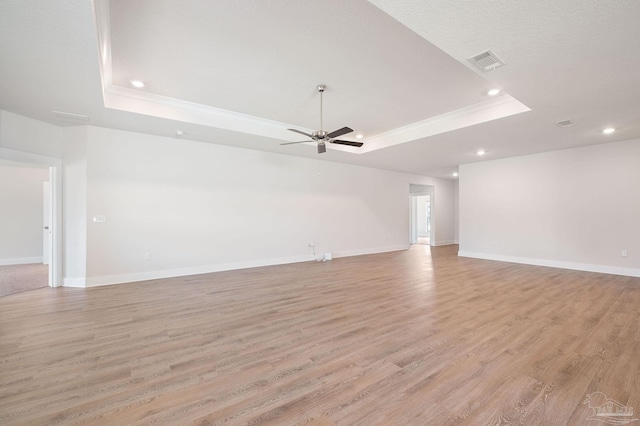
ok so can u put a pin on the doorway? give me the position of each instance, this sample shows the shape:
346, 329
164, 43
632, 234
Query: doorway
25, 244
51, 216
422, 229
423, 219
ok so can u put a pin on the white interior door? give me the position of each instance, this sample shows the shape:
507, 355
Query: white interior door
46, 223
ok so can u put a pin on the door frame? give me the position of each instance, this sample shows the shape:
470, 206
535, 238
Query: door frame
421, 190
46, 223
55, 186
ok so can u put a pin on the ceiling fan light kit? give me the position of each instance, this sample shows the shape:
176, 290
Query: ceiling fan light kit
321, 137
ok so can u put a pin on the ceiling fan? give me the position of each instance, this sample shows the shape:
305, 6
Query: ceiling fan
321, 137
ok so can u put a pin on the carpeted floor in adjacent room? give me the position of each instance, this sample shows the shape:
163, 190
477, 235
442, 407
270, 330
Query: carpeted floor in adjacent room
21, 278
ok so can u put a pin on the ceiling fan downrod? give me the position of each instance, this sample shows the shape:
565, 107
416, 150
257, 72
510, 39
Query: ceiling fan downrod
321, 88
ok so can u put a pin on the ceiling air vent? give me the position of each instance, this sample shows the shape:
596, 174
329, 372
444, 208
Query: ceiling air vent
70, 116
486, 61
565, 123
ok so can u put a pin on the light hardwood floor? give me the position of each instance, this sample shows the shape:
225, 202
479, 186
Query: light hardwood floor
403, 338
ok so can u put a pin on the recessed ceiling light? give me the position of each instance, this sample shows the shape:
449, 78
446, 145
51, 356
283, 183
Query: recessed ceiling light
359, 136
493, 92
179, 132
455, 174
137, 83
481, 152
608, 130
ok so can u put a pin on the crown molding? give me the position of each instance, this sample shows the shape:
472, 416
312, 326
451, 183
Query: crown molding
142, 102
492, 109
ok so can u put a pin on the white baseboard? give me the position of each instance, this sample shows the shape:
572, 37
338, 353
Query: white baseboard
20, 260
79, 282
180, 272
195, 270
603, 269
360, 252
445, 243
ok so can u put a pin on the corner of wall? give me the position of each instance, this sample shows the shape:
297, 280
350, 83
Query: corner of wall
77, 282
74, 181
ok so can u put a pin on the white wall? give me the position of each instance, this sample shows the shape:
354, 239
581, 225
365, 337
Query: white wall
576, 208
456, 211
443, 209
199, 207
21, 213
29, 135
74, 188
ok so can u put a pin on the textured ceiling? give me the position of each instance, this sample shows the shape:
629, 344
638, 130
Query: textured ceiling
265, 59
249, 69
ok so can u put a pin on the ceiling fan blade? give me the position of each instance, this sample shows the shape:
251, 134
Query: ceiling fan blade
291, 143
302, 133
339, 142
322, 148
339, 132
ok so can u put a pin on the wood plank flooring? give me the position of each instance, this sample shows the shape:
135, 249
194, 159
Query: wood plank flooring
419, 337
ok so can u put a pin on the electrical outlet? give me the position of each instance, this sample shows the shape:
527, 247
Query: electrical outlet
99, 218
147, 256
624, 253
